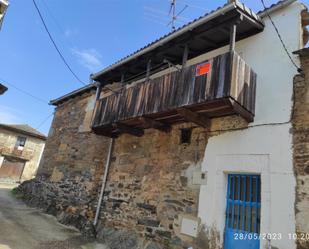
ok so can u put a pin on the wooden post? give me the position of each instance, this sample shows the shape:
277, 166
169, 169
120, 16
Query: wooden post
185, 55
233, 37
233, 32
97, 97
98, 92
122, 79
184, 61
148, 69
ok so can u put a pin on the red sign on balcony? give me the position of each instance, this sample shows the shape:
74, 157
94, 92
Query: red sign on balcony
202, 69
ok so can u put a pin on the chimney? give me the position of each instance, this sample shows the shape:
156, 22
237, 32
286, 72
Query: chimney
231, 1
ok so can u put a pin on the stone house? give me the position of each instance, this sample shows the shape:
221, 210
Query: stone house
21, 148
199, 139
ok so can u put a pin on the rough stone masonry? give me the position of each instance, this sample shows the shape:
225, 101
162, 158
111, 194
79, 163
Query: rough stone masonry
300, 133
150, 185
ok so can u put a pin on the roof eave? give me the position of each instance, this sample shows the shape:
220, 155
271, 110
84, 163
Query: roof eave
275, 7
58, 101
302, 52
7, 127
174, 35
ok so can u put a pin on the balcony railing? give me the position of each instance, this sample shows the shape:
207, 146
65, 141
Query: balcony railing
223, 85
14, 152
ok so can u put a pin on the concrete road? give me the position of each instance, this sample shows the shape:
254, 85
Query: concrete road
22, 227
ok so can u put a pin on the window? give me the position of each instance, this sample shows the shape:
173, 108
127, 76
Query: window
243, 212
21, 141
185, 136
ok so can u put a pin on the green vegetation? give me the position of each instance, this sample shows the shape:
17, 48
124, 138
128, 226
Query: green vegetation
16, 193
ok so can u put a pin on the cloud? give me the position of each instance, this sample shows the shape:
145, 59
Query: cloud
68, 33
89, 58
8, 115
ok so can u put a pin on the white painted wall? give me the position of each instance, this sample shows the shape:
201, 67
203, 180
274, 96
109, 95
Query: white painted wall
1, 160
266, 150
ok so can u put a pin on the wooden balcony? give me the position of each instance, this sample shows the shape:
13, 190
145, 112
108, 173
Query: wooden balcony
224, 85
24, 155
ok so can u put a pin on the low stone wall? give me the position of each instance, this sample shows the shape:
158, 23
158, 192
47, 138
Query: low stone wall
69, 200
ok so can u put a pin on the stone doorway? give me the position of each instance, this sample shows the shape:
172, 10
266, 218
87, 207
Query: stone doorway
11, 169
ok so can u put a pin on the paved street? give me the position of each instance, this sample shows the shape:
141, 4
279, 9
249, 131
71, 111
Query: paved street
22, 227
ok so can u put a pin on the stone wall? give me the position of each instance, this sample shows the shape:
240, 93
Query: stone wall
301, 152
72, 164
153, 181
71, 149
31, 153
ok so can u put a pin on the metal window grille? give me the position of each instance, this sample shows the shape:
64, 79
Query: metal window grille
243, 203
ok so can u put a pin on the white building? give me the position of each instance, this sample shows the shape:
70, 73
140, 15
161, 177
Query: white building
265, 148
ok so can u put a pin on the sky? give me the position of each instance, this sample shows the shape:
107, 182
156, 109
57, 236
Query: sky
91, 35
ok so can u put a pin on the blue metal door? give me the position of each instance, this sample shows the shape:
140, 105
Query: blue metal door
242, 225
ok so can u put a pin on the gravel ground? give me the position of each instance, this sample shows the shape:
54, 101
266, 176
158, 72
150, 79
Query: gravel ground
22, 227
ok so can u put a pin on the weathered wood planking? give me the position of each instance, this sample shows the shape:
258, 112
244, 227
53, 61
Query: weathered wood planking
243, 83
229, 76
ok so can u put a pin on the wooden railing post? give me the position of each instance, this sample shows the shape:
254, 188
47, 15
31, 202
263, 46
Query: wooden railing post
148, 69
233, 37
185, 56
233, 31
97, 97
184, 62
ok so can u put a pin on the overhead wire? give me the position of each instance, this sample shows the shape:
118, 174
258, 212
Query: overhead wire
44, 121
55, 45
30, 95
24, 92
193, 6
280, 37
57, 23
60, 54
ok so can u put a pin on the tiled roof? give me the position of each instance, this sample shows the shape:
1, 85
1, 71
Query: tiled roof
274, 6
237, 3
24, 129
260, 13
76, 92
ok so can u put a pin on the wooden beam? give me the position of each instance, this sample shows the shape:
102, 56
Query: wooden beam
194, 117
224, 30
248, 116
122, 128
209, 41
104, 132
151, 123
